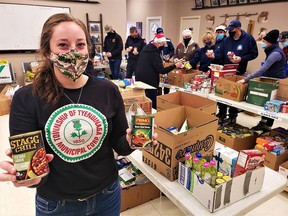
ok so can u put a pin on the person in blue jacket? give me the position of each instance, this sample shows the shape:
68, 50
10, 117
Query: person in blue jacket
274, 66
245, 49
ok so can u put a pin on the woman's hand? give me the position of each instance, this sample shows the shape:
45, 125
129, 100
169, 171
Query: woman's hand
9, 173
241, 81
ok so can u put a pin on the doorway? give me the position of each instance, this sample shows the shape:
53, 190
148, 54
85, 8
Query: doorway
151, 25
192, 22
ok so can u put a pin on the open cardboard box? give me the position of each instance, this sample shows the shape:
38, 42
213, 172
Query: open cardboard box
180, 98
227, 87
200, 137
225, 194
5, 101
178, 77
282, 90
283, 170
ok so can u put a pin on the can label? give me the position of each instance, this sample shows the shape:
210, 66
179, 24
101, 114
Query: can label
142, 131
29, 156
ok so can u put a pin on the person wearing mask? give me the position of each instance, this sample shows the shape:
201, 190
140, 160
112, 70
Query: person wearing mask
150, 66
274, 66
59, 104
283, 38
113, 46
167, 52
220, 35
133, 46
200, 55
245, 49
187, 48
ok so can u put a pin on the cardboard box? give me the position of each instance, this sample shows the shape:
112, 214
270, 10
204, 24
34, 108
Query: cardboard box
228, 70
225, 194
283, 170
227, 87
200, 137
180, 98
261, 90
179, 77
272, 160
137, 195
144, 102
282, 90
5, 101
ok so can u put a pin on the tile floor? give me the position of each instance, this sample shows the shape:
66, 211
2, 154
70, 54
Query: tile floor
20, 201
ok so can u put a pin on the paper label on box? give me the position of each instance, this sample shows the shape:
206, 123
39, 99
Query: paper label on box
242, 159
270, 115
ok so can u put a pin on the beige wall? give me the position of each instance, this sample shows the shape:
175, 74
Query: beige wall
175, 9
113, 13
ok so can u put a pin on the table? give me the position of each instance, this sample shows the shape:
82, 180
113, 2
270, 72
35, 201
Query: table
274, 183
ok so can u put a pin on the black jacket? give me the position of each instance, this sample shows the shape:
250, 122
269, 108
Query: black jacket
138, 42
113, 43
150, 65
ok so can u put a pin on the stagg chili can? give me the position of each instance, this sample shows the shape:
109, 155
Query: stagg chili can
29, 156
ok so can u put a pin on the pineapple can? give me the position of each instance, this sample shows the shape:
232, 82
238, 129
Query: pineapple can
29, 156
142, 131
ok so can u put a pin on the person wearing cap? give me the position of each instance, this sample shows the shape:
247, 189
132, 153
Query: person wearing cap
113, 46
200, 55
167, 53
150, 66
220, 35
133, 46
283, 38
274, 66
245, 49
187, 48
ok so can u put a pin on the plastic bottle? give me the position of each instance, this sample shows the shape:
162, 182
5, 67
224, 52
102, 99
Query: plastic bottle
206, 173
188, 157
213, 171
197, 166
201, 159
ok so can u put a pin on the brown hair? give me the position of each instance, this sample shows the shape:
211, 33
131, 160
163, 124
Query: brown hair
133, 29
45, 84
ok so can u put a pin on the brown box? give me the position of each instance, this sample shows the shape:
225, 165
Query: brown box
130, 99
272, 160
200, 137
5, 101
282, 90
180, 98
227, 87
179, 77
137, 195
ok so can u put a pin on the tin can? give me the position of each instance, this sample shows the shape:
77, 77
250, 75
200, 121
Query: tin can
187, 65
29, 156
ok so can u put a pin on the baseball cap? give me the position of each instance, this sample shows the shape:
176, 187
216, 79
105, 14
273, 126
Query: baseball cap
107, 28
283, 36
233, 24
159, 30
220, 27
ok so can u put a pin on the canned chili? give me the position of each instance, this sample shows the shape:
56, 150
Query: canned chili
29, 156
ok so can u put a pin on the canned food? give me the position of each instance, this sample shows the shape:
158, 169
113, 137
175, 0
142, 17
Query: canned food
219, 181
219, 175
29, 156
187, 65
226, 178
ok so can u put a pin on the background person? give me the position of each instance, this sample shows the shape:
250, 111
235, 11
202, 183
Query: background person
86, 182
113, 46
133, 46
283, 38
245, 49
274, 66
150, 66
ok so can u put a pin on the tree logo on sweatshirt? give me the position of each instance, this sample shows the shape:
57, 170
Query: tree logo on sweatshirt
76, 132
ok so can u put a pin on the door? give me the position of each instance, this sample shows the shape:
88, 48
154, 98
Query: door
192, 22
151, 25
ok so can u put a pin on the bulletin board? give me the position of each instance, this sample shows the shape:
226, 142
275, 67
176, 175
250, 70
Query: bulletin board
21, 25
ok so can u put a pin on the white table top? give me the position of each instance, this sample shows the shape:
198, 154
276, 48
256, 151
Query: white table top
273, 184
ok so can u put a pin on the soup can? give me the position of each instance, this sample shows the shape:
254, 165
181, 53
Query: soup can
29, 156
187, 65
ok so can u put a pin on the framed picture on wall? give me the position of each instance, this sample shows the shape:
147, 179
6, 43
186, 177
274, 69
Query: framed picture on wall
96, 38
214, 3
199, 4
243, 1
223, 2
94, 27
252, 1
232, 2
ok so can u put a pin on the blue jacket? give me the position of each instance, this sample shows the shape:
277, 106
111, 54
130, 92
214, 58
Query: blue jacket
169, 49
200, 57
245, 47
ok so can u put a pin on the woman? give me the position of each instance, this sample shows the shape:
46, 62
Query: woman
75, 112
274, 66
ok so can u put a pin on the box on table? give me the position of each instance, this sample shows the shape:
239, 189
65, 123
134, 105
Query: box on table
272, 160
227, 87
228, 70
225, 194
179, 76
137, 195
130, 98
261, 90
283, 170
180, 98
282, 90
5, 101
200, 137
237, 144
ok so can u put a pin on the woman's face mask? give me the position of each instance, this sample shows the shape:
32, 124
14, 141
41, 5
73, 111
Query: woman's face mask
263, 45
208, 43
285, 44
71, 64
219, 37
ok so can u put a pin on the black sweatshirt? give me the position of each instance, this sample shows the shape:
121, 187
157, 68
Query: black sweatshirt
76, 175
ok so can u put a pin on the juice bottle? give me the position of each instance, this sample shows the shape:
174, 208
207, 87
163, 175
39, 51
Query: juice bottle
197, 166
206, 173
213, 171
201, 159
188, 158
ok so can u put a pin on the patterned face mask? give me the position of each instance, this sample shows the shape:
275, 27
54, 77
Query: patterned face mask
71, 64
